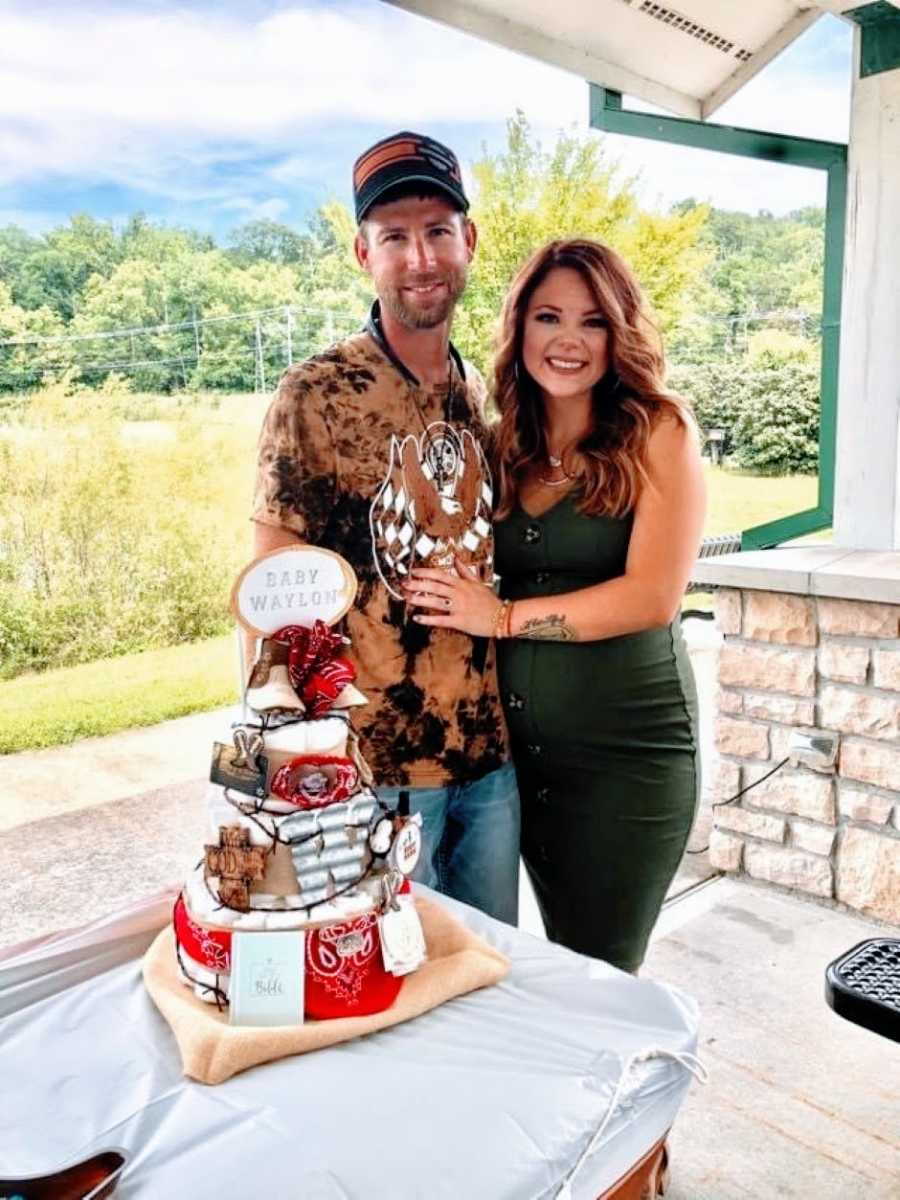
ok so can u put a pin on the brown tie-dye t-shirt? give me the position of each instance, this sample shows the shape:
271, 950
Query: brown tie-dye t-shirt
357, 457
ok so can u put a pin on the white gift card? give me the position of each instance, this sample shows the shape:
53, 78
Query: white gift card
402, 938
267, 978
407, 846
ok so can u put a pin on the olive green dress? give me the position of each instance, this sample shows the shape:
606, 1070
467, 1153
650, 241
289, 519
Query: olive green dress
604, 740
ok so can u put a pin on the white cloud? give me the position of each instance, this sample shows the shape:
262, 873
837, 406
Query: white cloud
122, 94
173, 102
251, 210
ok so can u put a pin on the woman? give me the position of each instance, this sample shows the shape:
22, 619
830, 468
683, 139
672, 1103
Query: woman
600, 511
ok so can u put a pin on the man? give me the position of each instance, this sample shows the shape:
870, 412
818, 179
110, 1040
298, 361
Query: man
373, 449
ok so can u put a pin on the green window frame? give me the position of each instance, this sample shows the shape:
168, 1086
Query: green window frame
607, 114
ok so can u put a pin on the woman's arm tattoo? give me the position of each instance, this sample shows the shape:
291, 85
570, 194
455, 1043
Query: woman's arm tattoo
552, 628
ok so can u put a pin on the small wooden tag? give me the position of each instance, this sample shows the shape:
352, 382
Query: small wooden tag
228, 771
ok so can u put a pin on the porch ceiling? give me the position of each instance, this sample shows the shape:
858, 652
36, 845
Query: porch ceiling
688, 59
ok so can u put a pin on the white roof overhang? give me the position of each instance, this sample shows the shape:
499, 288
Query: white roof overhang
688, 59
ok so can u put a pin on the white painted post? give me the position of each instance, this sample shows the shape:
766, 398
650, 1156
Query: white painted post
867, 491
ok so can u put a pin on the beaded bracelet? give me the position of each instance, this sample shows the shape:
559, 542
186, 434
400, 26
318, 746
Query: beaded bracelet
500, 618
503, 619
507, 624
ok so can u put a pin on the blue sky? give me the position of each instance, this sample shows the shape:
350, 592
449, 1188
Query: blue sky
210, 114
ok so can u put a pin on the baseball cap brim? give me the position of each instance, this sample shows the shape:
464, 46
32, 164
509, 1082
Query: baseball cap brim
433, 184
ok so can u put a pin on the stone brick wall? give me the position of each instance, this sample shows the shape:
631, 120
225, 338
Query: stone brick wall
812, 663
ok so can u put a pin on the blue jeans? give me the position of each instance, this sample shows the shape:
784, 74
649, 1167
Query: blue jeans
470, 841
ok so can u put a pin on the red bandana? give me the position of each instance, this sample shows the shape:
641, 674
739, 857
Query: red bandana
344, 973
317, 672
315, 780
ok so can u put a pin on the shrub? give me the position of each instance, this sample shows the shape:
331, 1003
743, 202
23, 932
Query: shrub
766, 402
716, 390
777, 430
116, 536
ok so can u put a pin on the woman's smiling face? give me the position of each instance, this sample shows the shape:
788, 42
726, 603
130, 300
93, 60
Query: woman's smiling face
564, 343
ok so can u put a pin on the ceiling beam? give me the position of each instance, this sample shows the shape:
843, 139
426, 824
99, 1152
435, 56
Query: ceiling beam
527, 40
769, 50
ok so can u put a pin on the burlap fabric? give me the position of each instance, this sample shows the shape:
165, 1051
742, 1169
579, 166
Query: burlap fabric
212, 1050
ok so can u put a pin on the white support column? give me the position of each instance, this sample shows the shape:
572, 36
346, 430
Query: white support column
867, 488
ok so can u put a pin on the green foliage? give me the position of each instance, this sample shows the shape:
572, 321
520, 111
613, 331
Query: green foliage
716, 390
763, 272
767, 404
270, 241
774, 346
714, 278
116, 537
777, 429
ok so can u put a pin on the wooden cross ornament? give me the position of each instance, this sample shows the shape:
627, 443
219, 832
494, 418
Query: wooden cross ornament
237, 864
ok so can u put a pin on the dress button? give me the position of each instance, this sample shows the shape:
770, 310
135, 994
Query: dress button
533, 748
541, 576
531, 534
515, 702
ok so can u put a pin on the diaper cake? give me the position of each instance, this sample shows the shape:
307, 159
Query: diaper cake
299, 841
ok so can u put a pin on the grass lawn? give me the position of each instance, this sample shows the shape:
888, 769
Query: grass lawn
141, 689
738, 501
56, 707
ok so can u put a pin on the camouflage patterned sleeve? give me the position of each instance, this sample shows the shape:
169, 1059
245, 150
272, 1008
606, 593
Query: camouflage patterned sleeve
295, 474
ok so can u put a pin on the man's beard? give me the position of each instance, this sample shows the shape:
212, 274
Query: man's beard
405, 310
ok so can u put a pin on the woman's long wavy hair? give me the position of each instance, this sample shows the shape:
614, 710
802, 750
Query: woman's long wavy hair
609, 460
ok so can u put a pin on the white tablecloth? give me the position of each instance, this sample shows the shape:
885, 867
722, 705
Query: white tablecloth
493, 1096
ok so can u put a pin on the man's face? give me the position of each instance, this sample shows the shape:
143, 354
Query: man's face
417, 251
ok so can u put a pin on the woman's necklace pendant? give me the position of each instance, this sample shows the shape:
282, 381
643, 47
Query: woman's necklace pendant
554, 461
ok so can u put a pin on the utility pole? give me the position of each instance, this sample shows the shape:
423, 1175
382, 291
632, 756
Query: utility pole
289, 329
260, 365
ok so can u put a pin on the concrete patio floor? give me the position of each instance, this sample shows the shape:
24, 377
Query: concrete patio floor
800, 1103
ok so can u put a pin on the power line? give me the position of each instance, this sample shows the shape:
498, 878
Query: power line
171, 326
234, 353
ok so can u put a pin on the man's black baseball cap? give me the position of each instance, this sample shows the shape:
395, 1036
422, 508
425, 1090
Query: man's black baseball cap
405, 158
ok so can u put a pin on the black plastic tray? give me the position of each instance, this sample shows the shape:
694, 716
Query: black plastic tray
863, 985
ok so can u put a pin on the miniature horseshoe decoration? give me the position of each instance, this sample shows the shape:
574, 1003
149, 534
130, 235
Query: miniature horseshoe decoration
249, 745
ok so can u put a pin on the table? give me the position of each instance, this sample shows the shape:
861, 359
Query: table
497, 1094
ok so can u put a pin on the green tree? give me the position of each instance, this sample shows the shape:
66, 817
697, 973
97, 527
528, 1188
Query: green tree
270, 241
18, 370
182, 291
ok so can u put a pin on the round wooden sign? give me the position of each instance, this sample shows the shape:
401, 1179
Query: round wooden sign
293, 586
